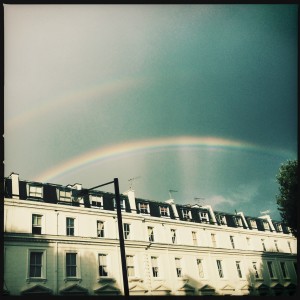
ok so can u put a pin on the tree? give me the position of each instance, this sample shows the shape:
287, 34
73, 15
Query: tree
288, 189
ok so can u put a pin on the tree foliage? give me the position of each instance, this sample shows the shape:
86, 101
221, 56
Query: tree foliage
288, 193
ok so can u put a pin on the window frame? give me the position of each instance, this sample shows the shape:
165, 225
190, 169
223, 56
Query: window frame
186, 214
238, 265
103, 266
178, 267
204, 219
173, 236
127, 231
166, 210
220, 269
213, 238
150, 234
35, 194
155, 267
43, 267
147, 208
131, 265
69, 227
122, 203
231, 237
200, 262
96, 199
271, 269
64, 191
78, 268
102, 230
194, 238
255, 270
284, 270
37, 225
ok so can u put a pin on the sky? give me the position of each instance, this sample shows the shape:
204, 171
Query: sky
199, 99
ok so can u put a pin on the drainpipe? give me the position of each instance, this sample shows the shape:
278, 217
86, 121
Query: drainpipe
56, 257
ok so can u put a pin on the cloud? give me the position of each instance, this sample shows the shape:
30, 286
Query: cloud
245, 193
218, 200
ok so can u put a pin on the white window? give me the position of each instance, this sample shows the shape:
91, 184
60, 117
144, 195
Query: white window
187, 214
130, 265
122, 203
70, 226
204, 216
213, 240
290, 247
96, 201
248, 242
266, 225
65, 195
178, 267
71, 264
238, 268
238, 221
253, 224
36, 224
100, 229
102, 260
271, 269
37, 264
200, 268
35, 191
283, 269
194, 236
164, 211
173, 236
278, 227
255, 270
154, 264
232, 242
150, 234
126, 228
263, 244
220, 269
276, 245
221, 219
144, 208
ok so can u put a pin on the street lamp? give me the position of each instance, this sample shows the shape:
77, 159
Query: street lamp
120, 226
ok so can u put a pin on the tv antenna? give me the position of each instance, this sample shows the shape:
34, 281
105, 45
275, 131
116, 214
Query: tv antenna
170, 193
131, 181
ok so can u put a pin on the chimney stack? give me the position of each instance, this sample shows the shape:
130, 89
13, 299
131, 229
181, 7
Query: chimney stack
15, 185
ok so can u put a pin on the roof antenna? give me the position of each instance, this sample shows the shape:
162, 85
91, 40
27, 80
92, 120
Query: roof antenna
170, 193
131, 181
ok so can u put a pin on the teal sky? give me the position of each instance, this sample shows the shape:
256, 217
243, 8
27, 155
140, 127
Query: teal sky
84, 77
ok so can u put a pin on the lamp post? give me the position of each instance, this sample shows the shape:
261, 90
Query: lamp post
120, 226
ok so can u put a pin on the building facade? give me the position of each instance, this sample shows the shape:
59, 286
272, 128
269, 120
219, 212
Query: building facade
61, 242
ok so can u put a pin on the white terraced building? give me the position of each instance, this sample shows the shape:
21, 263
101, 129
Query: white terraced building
58, 243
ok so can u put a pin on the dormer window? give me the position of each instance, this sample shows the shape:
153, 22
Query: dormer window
96, 201
204, 216
122, 203
144, 208
221, 219
64, 195
278, 227
187, 214
238, 221
266, 225
164, 211
253, 224
35, 191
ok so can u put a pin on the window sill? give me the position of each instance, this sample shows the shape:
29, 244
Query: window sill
72, 279
36, 280
106, 279
135, 279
